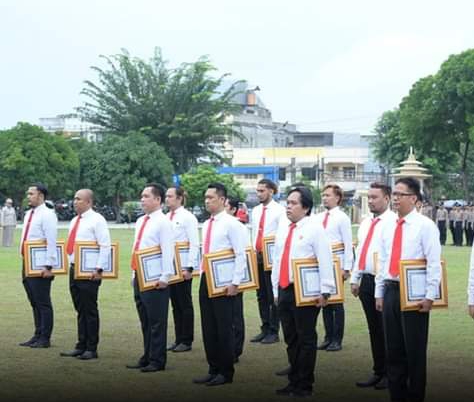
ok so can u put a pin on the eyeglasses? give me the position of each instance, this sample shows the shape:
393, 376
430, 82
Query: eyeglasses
399, 194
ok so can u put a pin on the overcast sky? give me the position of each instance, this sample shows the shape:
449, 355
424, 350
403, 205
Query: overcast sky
323, 65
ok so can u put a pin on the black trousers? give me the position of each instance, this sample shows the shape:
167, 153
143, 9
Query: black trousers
152, 308
84, 295
406, 337
458, 235
239, 324
469, 234
333, 315
374, 323
299, 332
183, 312
451, 229
442, 232
266, 302
38, 291
217, 331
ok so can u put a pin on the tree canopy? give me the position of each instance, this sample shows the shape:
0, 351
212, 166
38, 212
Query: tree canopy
182, 109
28, 154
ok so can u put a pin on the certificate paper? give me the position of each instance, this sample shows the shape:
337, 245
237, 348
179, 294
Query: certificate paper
223, 272
152, 267
311, 286
39, 260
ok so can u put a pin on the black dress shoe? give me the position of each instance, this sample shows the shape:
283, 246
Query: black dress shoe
219, 379
286, 391
373, 380
151, 368
29, 342
72, 353
88, 355
171, 347
182, 348
334, 347
137, 366
382, 384
258, 338
270, 338
324, 345
302, 393
284, 371
40, 344
205, 379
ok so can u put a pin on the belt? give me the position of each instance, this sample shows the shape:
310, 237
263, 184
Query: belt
391, 284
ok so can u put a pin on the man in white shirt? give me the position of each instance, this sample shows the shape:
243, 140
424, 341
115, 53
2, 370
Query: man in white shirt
363, 277
7, 222
88, 225
412, 236
40, 223
339, 230
265, 220
299, 238
220, 232
185, 227
231, 207
151, 230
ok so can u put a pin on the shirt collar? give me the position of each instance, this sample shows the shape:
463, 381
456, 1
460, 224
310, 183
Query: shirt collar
411, 216
219, 215
89, 212
301, 222
332, 210
155, 213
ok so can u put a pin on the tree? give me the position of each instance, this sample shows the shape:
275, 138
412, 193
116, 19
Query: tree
122, 166
196, 181
181, 109
28, 154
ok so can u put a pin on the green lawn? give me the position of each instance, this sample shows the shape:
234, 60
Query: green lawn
27, 374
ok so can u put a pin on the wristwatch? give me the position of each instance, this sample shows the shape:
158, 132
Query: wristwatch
326, 295
48, 267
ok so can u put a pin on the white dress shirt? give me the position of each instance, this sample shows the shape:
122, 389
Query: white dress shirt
387, 216
420, 240
274, 213
93, 227
43, 226
470, 287
185, 228
227, 234
158, 232
308, 241
339, 230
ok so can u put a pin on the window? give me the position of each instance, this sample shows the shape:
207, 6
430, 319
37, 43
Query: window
308, 173
250, 176
282, 174
349, 172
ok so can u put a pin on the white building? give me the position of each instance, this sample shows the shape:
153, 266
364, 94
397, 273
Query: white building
72, 126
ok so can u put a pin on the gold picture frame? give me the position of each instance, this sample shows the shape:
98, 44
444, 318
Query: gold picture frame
217, 271
34, 258
307, 284
268, 245
86, 254
337, 248
412, 273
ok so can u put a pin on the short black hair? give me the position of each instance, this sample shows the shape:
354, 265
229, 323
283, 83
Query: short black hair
41, 188
269, 184
306, 198
157, 190
221, 190
413, 185
386, 189
234, 203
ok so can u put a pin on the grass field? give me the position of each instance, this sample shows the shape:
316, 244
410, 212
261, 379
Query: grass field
30, 374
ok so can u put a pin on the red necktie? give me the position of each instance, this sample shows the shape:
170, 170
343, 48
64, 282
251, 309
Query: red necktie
285, 260
207, 240
25, 236
325, 221
172, 215
258, 243
365, 247
72, 236
137, 243
396, 250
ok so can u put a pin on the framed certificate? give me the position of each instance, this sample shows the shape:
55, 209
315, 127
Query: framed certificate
149, 267
413, 285
35, 258
86, 254
268, 246
219, 269
337, 249
307, 282
197, 270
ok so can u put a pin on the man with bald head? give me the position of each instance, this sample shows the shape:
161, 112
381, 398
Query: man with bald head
88, 225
